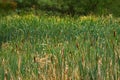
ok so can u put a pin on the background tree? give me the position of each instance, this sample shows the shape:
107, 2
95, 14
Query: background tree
72, 7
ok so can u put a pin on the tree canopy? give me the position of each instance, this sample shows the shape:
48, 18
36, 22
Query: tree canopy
65, 6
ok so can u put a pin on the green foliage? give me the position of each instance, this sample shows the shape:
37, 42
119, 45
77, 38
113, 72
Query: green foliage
65, 6
41, 46
114, 7
72, 7
7, 5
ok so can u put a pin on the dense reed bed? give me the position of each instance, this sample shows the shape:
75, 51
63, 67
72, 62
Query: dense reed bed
59, 48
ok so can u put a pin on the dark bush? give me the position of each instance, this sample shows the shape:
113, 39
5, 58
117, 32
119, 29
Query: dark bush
66, 6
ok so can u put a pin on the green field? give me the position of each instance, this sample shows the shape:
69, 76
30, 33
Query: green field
59, 48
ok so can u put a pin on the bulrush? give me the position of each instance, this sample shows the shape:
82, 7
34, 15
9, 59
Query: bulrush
114, 32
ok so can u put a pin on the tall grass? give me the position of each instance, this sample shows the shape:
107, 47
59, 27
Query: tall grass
55, 48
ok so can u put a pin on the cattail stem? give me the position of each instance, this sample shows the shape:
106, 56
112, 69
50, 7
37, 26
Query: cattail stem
114, 33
